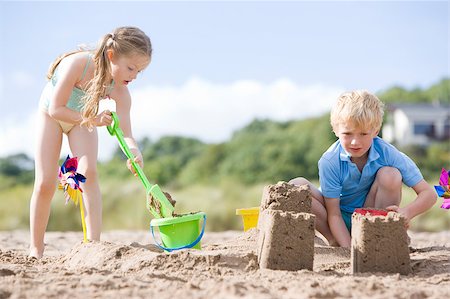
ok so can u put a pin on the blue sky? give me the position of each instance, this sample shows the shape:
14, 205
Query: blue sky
218, 65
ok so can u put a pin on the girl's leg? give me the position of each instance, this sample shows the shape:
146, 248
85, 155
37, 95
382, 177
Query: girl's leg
318, 209
386, 190
84, 145
48, 148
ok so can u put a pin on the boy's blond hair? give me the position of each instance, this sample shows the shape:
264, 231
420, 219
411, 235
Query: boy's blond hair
360, 108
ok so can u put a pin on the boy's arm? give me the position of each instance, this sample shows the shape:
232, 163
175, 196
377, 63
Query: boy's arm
336, 223
426, 198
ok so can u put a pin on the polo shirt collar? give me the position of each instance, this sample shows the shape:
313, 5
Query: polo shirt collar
343, 155
373, 154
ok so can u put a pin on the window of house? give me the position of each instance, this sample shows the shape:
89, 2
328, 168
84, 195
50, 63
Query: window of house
426, 129
447, 129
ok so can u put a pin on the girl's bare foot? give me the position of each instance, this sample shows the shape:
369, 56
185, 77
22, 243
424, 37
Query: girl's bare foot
36, 253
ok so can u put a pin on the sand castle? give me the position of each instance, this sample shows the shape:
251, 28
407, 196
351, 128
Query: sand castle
286, 197
379, 244
286, 234
286, 228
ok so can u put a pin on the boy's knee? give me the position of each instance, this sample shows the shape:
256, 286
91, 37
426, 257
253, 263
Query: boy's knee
299, 181
389, 177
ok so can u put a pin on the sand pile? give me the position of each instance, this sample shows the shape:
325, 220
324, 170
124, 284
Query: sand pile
126, 264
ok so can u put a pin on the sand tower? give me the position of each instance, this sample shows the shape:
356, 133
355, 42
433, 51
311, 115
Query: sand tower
379, 243
286, 228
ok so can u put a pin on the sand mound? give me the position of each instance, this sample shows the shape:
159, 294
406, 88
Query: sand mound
125, 265
108, 256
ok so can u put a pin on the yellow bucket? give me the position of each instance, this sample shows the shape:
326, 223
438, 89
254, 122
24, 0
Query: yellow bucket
249, 217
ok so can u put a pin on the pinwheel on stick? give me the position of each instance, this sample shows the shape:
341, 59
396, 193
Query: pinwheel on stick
443, 190
69, 182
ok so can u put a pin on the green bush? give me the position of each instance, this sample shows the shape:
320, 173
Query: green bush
216, 178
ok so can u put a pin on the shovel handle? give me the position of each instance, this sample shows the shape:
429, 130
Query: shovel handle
167, 208
115, 130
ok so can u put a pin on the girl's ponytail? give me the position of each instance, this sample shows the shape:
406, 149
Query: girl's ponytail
123, 41
98, 85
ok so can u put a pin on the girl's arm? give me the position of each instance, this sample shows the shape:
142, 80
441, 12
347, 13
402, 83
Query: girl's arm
336, 223
123, 106
70, 70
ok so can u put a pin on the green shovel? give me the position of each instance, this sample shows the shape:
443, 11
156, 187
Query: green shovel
159, 206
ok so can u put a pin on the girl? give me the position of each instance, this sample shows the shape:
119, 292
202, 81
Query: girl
69, 104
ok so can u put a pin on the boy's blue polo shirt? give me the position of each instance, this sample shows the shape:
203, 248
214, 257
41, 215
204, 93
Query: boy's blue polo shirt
340, 178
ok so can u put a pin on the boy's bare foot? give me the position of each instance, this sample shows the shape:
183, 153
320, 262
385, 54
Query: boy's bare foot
333, 243
321, 240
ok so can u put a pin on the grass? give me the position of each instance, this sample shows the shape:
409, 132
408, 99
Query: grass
124, 206
219, 202
433, 220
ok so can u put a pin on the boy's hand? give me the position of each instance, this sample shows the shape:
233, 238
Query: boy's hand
401, 211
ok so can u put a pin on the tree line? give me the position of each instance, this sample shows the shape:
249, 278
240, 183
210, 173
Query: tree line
262, 151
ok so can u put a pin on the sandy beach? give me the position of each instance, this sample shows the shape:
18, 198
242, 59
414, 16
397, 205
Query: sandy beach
127, 264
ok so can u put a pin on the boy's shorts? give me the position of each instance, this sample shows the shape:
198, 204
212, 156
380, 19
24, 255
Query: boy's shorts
347, 216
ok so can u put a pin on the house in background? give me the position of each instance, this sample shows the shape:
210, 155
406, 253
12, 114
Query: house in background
416, 124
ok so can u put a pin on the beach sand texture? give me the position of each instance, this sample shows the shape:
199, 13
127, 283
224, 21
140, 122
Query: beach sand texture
127, 264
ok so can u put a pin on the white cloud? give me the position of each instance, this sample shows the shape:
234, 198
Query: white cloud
17, 135
23, 79
198, 108
212, 112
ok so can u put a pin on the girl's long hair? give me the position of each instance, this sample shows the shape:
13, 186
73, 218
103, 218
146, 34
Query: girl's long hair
123, 41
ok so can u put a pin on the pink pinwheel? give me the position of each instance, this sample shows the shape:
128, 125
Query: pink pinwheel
443, 190
69, 181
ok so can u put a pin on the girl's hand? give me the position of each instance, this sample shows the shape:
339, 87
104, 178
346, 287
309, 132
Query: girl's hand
138, 159
103, 119
401, 211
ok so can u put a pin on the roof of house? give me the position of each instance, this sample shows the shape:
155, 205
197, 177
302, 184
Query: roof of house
436, 109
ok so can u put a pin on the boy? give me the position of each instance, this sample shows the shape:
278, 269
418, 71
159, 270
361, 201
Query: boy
362, 170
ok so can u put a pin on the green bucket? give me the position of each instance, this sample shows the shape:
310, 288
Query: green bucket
179, 232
